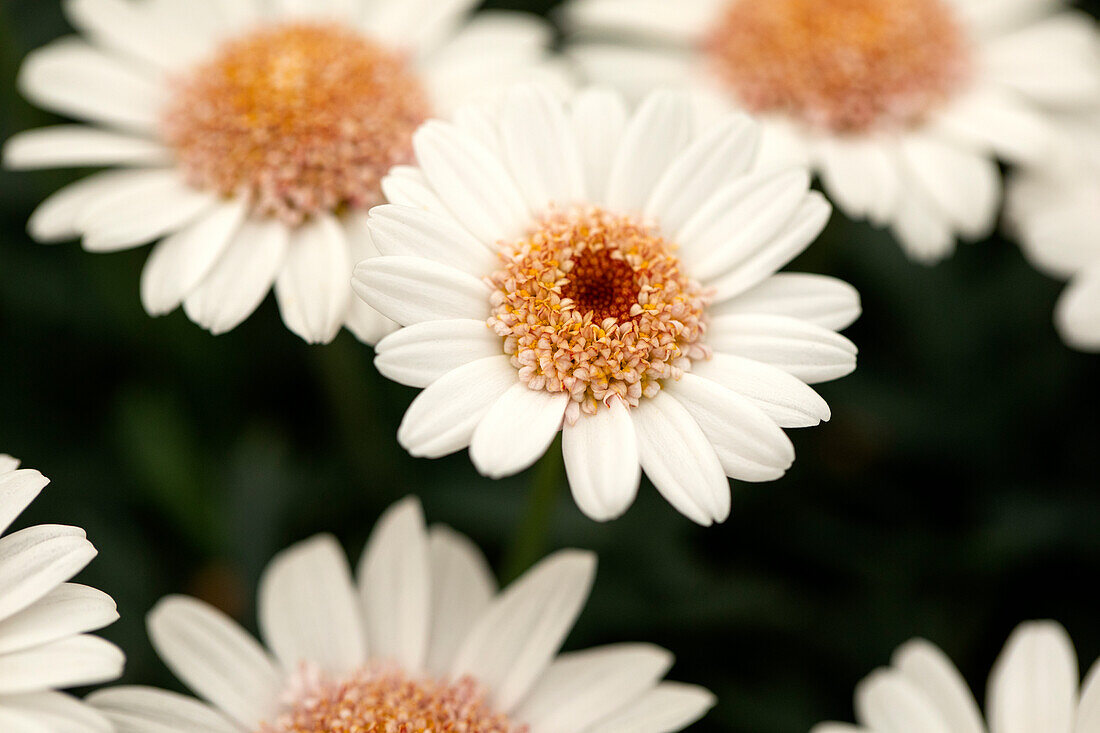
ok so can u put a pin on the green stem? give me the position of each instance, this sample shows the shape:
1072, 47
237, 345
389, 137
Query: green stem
533, 534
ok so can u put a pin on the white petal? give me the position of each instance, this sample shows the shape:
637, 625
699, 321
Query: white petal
522, 630
166, 204
654, 138
787, 400
407, 186
180, 262
668, 707
811, 353
862, 176
347, 11
714, 159
308, 609
146, 710
516, 430
1078, 312
412, 289
66, 146
70, 662
929, 669
312, 288
471, 182
803, 228
368, 325
395, 587
72, 78
818, 299
57, 218
632, 70
216, 658
599, 119
419, 354
17, 490
1033, 685
416, 24
679, 460
887, 702
1088, 714
684, 22
581, 688
36, 560
501, 31
540, 149
739, 220
1054, 62
241, 279
601, 461
442, 419
132, 30
462, 588
56, 712
964, 185
749, 444
924, 231
998, 120
67, 610
408, 232
7, 465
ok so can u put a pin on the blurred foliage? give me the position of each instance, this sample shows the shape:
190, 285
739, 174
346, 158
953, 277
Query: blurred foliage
953, 494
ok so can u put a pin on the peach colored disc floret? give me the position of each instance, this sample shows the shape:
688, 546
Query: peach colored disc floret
303, 118
387, 701
843, 65
595, 304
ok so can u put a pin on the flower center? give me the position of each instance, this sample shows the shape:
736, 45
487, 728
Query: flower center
386, 701
303, 118
594, 304
844, 65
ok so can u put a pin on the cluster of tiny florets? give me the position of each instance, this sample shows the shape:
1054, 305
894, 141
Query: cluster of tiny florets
303, 118
843, 65
595, 305
386, 701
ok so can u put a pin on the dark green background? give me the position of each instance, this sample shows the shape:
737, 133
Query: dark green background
953, 494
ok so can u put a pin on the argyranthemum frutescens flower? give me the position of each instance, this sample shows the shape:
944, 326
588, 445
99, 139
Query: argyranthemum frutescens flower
1033, 689
254, 135
424, 644
614, 273
902, 105
44, 620
1054, 209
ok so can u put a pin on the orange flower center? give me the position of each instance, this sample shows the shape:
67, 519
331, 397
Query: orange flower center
594, 304
844, 65
387, 701
303, 118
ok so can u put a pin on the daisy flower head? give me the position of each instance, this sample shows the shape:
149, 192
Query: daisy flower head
247, 138
44, 619
1034, 688
1054, 211
423, 641
577, 268
902, 106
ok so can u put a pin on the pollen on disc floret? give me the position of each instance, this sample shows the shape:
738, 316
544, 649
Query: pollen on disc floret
843, 65
302, 117
595, 304
386, 700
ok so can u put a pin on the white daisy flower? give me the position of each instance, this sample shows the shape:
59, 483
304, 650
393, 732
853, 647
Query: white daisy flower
424, 641
1054, 210
44, 620
616, 273
902, 106
253, 136
1033, 689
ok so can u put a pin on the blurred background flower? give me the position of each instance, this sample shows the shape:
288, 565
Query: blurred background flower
953, 494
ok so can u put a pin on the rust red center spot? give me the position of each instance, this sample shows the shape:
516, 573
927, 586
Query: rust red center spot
601, 284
